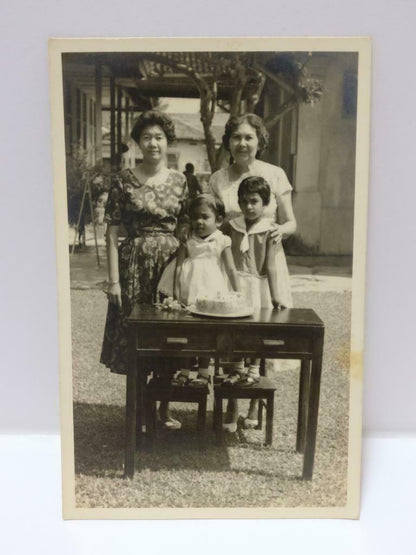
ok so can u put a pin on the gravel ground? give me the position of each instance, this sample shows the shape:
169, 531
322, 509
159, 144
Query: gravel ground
172, 471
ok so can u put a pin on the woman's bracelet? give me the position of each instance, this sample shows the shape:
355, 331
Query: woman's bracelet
113, 282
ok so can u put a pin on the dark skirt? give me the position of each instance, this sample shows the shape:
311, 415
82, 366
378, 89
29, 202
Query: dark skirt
141, 263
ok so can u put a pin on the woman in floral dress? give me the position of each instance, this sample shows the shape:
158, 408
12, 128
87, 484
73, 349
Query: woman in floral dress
150, 202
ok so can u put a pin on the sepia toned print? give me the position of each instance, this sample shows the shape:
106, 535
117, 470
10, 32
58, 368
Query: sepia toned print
210, 403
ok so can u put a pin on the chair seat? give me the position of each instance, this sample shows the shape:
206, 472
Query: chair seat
256, 391
161, 390
263, 390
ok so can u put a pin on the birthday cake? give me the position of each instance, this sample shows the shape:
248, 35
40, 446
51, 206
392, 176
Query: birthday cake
228, 303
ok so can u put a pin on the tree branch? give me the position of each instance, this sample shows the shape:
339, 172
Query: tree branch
281, 111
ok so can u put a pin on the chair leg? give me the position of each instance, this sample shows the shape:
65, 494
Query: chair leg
202, 414
260, 415
269, 418
150, 418
261, 403
140, 407
154, 418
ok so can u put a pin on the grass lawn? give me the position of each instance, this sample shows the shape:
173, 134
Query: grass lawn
172, 472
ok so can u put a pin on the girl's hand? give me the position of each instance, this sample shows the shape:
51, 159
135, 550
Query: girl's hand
276, 234
114, 294
277, 305
182, 233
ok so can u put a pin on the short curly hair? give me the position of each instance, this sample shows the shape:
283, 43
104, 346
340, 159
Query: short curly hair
252, 119
254, 184
150, 118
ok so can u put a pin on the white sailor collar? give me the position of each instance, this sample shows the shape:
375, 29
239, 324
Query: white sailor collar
239, 224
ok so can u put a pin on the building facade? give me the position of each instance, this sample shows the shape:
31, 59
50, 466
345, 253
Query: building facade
314, 143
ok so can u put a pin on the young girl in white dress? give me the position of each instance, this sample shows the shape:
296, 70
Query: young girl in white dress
200, 265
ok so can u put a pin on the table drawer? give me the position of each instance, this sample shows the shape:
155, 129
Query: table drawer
271, 342
173, 339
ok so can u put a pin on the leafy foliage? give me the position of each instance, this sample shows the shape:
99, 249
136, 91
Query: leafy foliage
79, 173
245, 74
292, 68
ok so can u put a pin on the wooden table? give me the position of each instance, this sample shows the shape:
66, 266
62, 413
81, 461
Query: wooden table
287, 334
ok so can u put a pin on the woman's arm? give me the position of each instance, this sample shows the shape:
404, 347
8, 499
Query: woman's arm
271, 270
114, 289
286, 221
180, 257
228, 260
182, 225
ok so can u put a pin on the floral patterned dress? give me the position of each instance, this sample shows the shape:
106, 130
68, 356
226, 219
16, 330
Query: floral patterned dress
150, 215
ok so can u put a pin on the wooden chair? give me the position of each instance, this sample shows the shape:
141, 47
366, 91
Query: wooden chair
161, 390
264, 391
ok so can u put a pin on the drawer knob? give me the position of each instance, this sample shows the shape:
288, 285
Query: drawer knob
177, 340
273, 342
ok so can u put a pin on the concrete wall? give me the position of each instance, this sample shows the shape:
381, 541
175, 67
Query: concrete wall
196, 153
325, 156
325, 169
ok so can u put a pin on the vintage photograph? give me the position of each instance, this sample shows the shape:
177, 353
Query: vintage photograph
211, 199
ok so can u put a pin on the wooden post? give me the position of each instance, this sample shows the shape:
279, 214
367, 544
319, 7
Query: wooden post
127, 117
119, 114
74, 117
280, 132
98, 115
112, 122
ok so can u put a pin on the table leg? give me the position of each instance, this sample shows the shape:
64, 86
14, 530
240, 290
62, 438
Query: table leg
269, 418
131, 400
202, 407
141, 406
218, 419
216, 373
309, 455
304, 385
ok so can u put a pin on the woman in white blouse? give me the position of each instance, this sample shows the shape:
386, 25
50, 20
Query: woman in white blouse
245, 137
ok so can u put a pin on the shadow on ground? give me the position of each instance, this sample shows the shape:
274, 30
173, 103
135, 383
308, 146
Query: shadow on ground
99, 445
99, 432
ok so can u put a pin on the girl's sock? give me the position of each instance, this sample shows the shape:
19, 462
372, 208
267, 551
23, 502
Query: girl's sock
254, 370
